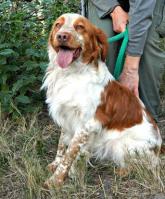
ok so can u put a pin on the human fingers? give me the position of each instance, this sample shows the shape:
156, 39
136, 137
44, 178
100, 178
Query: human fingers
118, 27
119, 19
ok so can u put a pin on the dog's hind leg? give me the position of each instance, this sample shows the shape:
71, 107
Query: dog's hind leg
77, 142
60, 152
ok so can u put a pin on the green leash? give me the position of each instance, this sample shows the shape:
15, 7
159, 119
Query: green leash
121, 55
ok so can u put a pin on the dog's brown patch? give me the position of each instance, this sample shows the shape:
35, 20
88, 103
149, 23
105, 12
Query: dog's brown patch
119, 108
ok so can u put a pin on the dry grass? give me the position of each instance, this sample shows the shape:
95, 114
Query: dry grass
28, 145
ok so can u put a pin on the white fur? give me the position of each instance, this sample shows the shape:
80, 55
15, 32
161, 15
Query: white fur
73, 95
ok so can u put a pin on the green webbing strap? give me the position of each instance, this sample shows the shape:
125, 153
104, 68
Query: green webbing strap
121, 55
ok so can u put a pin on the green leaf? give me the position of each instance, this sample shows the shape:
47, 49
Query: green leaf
7, 52
43, 65
2, 60
23, 99
4, 78
30, 65
17, 85
32, 52
11, 68
5, 45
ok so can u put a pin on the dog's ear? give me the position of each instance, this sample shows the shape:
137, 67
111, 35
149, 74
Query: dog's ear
95, 44
102, 42
96, 47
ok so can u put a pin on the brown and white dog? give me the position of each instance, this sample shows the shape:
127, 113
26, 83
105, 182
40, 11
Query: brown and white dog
97, 114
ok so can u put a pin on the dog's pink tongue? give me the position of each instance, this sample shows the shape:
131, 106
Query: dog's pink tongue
64, 57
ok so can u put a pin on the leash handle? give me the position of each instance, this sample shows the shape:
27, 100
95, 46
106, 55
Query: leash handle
121, 55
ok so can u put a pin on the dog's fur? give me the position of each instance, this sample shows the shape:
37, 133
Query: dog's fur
97, 114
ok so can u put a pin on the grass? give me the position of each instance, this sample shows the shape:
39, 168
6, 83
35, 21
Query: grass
27, 145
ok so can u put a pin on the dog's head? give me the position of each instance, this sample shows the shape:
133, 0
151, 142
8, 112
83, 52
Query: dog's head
73, 36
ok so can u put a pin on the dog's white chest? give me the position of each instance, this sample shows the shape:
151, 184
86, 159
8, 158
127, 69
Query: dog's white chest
73, 97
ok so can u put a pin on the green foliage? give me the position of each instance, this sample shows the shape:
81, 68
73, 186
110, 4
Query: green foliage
24, 28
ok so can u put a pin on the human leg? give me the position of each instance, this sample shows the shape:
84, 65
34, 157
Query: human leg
152, 65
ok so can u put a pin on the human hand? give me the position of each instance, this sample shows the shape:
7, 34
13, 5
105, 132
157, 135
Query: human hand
130, 76
119, 19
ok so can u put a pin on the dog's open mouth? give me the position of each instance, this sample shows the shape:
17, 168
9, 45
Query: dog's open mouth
66, 55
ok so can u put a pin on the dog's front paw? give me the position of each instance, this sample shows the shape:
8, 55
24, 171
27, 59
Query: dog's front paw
53, 182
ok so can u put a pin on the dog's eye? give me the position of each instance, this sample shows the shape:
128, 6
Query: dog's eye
58, 25
79, 27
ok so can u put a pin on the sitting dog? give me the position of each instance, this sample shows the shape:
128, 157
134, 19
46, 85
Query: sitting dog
96, 113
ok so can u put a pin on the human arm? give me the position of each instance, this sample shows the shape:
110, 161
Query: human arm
130, 76
140, 19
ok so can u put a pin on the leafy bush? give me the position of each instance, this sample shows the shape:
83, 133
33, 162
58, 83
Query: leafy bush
24, 28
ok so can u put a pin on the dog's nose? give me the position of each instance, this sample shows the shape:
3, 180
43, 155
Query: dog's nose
63, 37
